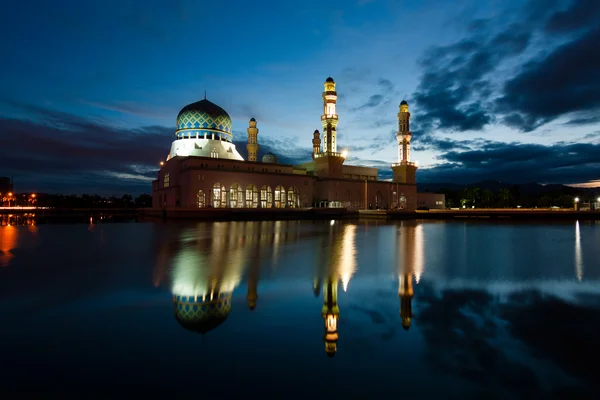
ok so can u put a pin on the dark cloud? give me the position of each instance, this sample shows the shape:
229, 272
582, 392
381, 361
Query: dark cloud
481, 79
66, 152
454, 90
373, 101
517, 163
579, 15
387, 85
592, 119
565, 81
432, 142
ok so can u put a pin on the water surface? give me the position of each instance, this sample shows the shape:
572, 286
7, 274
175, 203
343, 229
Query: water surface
287, 309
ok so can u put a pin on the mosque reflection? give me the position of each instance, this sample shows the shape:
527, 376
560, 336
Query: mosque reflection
204, 266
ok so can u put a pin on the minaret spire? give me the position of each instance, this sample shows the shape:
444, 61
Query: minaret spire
404, 169
329, 119
252, 145
316, 143
204, 94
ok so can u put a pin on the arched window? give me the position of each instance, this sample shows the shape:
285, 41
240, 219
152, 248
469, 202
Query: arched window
236, 196
201, 201
279, 196
293, 197
216, 195
266, 197
251, 196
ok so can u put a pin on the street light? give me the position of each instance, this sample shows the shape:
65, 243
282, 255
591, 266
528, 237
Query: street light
162, 163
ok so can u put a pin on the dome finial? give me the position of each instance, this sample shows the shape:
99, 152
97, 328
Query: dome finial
204, 94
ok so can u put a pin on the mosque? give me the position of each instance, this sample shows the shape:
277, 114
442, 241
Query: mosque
205, 264
205, 170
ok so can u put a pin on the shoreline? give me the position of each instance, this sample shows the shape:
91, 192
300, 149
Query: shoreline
252, 214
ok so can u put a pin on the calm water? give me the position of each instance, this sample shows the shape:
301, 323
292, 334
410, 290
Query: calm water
290, 309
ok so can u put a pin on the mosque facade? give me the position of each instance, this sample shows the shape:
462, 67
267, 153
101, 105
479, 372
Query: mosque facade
205, 170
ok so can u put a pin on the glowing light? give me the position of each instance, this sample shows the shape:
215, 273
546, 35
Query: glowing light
332, 222
576, 199
162, 163
598, 199
344, 153
9, 194
33, 195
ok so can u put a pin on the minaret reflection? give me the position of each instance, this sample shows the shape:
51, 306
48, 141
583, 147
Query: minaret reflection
410, 263
338, 262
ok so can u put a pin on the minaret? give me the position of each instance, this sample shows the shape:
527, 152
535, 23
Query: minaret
331, 315
252, 145
405, 292
316, 143
329, 119
404, 169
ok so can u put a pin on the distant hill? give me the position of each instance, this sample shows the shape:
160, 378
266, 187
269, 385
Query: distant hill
527, 189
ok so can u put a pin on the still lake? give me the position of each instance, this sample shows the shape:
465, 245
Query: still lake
302, 308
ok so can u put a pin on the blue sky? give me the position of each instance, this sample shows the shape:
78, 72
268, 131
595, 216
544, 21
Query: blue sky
500, 90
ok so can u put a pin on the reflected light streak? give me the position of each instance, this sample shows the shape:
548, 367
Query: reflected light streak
578, 258
8, 241
419, 249
347, 265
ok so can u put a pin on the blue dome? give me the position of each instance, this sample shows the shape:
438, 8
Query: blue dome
202, 316
203, 117
270, 158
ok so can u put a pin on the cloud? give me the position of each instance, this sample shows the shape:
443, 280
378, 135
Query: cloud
580, 14
454, 89
373, 101
387, 85
516, 163
563, 82
54, 151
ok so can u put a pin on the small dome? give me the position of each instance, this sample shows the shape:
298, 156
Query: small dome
252, 119
202, 115
270, 158
201, 316
329, 79
403, 103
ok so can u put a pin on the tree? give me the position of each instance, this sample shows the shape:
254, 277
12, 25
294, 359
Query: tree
505, 197
487, 197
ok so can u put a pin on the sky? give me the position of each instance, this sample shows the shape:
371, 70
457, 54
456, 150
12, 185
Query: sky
498, 89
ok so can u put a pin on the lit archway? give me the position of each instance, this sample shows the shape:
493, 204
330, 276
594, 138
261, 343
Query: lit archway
216, 195
293, 197
266, 197
201, 199
251, 196
236, 196
279, 196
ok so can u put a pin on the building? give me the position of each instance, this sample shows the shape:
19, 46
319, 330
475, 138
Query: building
205, 170
431, 201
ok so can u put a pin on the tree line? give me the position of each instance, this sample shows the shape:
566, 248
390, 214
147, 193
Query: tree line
88, 201
477, 197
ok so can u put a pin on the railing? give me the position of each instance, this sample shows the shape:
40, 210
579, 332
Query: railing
329, 153
412, 164
329, 116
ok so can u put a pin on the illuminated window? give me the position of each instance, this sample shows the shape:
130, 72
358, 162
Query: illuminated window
223, 197
279, 197
216, 195
166, 180
251, 196
201, 201
266, 197
236, 196
214, 153
293, 197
